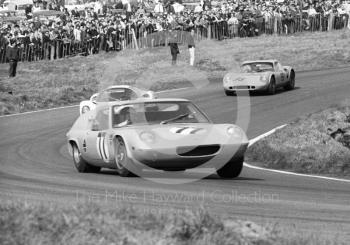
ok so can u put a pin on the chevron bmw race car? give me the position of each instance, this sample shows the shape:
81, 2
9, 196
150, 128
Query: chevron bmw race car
165, 134
114, 93
260, 75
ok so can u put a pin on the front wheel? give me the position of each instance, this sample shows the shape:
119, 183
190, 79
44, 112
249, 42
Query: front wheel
122, 159
229, 93
232, 169
272, 86
81, 165
291, 83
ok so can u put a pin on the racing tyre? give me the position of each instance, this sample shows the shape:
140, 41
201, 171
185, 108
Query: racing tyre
232, 169
291, 83
81, 165
229, 93
122, 160
272, 86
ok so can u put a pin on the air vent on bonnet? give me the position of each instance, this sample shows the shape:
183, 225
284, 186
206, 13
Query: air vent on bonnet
202, 150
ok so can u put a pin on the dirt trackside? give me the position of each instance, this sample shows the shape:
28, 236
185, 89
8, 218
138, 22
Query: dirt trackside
316, 144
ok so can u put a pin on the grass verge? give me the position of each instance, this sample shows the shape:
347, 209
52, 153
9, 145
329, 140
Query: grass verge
318, 143
48, 84
91, 224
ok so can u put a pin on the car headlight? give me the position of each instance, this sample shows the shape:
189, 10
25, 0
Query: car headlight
264, 78
85, 109
235, 131
149, 94
147, 137
226, 79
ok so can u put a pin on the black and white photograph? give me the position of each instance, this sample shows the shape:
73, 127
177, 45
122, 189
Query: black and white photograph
175, 122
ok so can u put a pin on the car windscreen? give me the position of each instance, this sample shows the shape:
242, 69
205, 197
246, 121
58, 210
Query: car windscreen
116, 94
149, 113
257, 67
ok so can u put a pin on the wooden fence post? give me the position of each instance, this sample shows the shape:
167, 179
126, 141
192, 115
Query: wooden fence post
209, 31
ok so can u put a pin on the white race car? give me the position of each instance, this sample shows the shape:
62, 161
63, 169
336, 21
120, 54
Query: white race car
147, 134
262, 75
115, 93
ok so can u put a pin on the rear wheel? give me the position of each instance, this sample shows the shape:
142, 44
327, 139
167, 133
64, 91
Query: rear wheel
272, 86
122, 159
232, 169
229, 93
81, 165
291, 83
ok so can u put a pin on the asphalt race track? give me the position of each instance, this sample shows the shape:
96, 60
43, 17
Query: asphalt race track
35, 164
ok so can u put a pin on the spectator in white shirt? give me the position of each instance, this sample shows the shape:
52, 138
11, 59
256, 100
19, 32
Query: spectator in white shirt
36, 8
77, 33
233, 25
198, 9
158, 8
311, 11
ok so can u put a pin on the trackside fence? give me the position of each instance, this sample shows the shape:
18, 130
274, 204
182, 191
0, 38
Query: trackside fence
141, 37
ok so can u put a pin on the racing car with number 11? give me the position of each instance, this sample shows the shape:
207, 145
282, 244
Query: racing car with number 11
163, 134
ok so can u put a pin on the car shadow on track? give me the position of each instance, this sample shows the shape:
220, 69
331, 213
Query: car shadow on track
263, 93
214, 176
179, 175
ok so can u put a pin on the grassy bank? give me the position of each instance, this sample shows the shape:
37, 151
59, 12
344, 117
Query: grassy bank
318, 144
90, 224
48, 84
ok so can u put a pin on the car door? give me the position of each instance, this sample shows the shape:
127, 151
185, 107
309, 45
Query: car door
95, 140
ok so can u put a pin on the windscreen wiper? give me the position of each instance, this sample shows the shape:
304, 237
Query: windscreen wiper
174, 118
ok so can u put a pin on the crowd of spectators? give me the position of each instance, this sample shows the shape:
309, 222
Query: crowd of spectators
60, 31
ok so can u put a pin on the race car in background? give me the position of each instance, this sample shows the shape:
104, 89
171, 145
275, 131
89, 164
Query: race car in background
87, 105
114, 93
260, 75
164, 134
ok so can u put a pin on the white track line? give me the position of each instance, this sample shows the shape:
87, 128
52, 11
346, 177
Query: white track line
172, 90
63, 107
31, 112
252, 141
296, 174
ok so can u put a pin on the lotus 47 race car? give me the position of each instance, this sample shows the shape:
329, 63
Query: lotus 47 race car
162, 134
260, 75
114, 93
